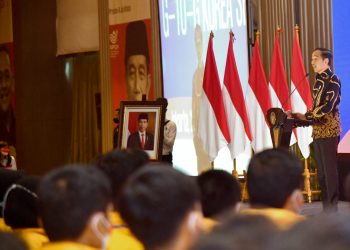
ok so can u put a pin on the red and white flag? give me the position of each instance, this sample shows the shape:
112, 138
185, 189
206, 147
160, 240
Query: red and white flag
212, 122
278, 86
258, 102
301, 97
234, 105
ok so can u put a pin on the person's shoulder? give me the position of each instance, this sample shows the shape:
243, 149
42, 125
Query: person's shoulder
334, 79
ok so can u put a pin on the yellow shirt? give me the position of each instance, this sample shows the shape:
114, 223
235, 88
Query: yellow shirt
209, 224
121, 238
66, 245
35, 238
3, 226
282, 218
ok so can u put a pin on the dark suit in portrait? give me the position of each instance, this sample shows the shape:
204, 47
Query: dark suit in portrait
134, 141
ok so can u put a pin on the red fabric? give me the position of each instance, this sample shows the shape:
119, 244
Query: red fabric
234, 88
298, 73
257, 80
278, 78
212, 89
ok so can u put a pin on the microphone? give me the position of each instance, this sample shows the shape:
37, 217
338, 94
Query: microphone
296, 86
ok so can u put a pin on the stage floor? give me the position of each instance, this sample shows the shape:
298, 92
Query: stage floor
315, 208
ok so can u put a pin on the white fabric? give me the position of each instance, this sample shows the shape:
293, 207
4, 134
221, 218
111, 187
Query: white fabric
275, 102
236, 126
209, 131
77, 26
124, 11
261, 138
304, 133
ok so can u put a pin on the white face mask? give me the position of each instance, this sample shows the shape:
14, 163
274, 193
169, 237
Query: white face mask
101, 218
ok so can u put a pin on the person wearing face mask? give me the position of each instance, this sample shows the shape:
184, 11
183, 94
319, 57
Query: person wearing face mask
73, 203
326, 126
274, 180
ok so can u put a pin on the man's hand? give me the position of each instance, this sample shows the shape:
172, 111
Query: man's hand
299, 116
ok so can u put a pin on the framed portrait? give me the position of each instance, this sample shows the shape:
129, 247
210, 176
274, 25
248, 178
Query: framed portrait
141, 126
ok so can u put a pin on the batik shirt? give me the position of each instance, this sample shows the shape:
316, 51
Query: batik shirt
325, 106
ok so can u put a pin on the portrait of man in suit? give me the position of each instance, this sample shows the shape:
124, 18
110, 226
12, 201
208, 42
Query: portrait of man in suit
141, 139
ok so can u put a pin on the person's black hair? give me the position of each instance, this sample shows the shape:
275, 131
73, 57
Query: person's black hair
7, 178
143, 116
9, 241
326, 54
220, 192
136, 40
163, 100
272, 177
21, 203
154, 203
250, 232
68, 196
119, 165
321, 232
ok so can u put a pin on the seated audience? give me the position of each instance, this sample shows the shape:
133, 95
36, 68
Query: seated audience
7, 178
20, 212
119, 165
321, 232
10, 241
220, 195
74, 202
162, 208
274, 180
249, 232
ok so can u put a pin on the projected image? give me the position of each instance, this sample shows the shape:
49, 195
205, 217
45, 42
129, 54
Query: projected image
185, 27
341, 67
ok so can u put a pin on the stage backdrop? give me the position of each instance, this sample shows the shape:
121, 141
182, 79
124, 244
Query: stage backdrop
342, 65
122, 12
185, 28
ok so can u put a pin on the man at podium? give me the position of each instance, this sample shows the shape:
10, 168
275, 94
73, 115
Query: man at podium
326, 125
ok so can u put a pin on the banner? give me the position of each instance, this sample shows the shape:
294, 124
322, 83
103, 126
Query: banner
7, 84
5, 21
131, 50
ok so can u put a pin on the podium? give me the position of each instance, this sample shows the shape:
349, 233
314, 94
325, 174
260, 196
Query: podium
281, 127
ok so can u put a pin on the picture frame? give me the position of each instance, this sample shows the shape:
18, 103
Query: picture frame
132, 120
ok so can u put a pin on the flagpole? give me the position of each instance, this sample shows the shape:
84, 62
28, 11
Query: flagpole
307, 186
234, 172
211, 37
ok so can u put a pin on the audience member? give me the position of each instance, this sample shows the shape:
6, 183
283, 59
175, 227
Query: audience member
220, 195
10, 241
7, 178
249, 232
74, 202
162, 208
321, 232
274, 181
20, 212
119, 165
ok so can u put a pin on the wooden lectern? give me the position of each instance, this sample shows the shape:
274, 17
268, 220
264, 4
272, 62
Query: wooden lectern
281, 127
